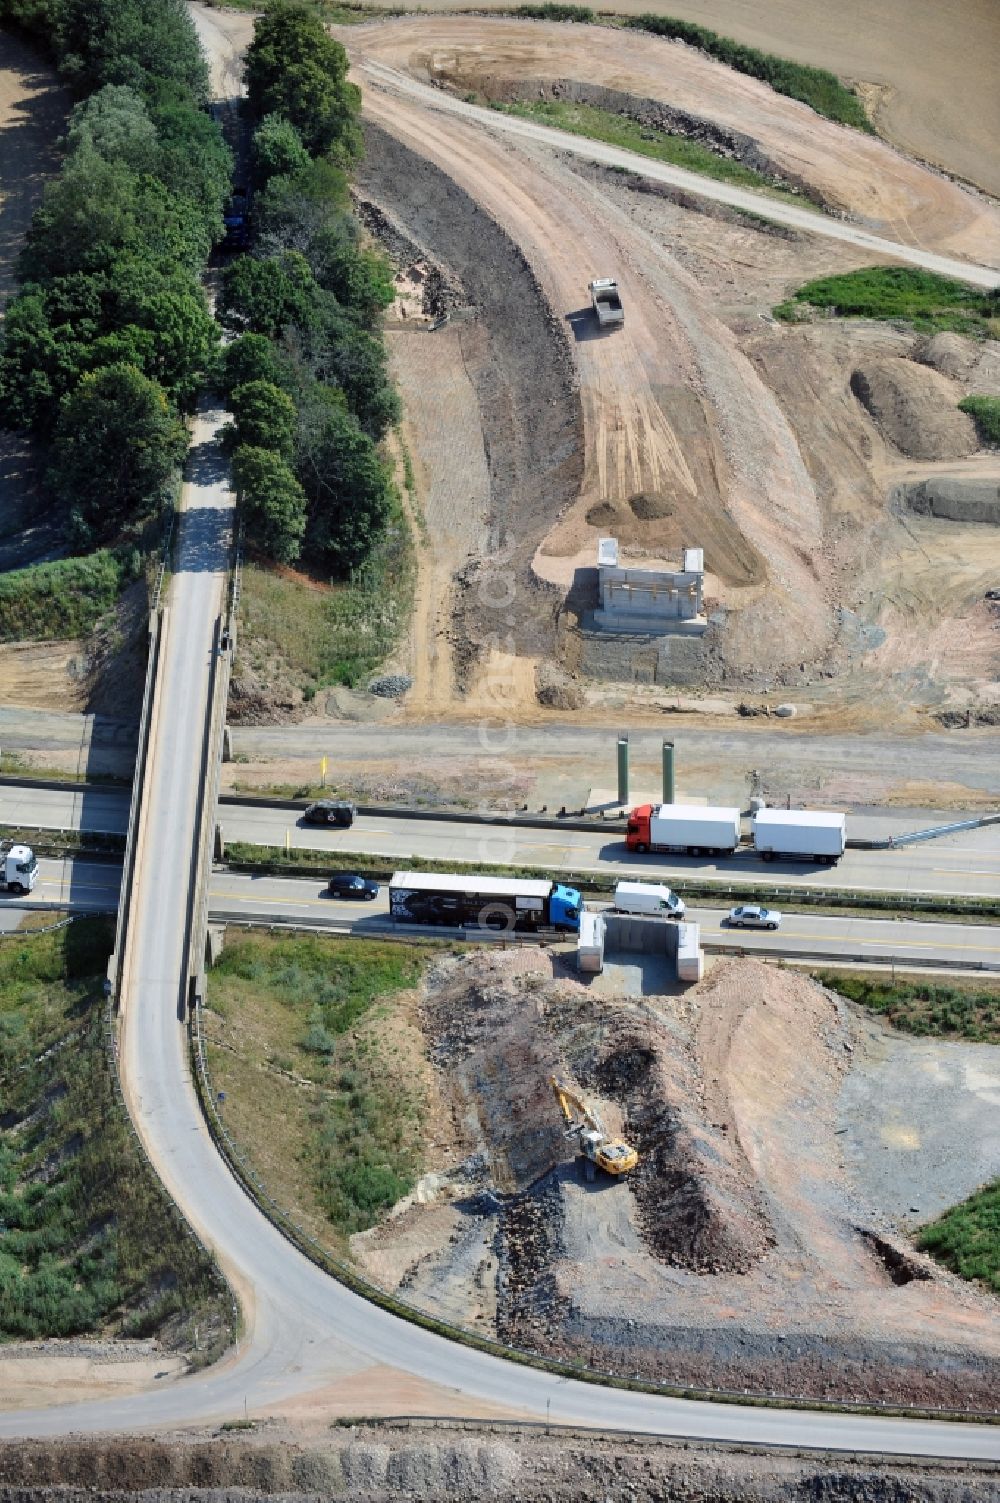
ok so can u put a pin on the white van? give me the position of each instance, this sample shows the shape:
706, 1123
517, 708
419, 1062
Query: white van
648, 897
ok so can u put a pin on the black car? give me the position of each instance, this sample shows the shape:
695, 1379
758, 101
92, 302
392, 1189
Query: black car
328, 811
350, 885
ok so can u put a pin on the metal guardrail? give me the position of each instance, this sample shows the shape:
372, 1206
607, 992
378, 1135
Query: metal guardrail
156, 625
904, 962
208, 793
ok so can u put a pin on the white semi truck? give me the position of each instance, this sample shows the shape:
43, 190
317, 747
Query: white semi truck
18, 868
698, 829
799, 834
607, 302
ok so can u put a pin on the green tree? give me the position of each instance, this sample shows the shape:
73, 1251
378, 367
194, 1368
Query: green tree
265, 417
358, 363
116, 442
266, 296
294, 69
96, 211
272, 501
348, 487
184, 340
277, 149
128, 41
114, 124
361, 280
252, 357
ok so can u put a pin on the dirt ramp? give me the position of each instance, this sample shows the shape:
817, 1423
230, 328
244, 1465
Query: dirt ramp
916, 409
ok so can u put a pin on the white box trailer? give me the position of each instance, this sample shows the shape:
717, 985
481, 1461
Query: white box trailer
690, 958
802, 834
698, 829
648, 897
590, 945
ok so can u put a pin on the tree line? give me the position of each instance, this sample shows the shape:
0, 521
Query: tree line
109, 337
306, 375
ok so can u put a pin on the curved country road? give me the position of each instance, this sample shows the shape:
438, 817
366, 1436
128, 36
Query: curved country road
306, 1336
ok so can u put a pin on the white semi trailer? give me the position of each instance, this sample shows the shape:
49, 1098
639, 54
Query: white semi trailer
18, 868
799, 834
698, 829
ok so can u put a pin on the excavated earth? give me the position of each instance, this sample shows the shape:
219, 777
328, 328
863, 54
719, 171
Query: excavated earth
423, 1462
740, 1255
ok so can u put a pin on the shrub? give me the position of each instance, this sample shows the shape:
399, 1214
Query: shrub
821, 90
986, 411
60, 600
883, 292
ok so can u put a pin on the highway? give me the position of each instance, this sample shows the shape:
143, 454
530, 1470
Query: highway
238, 896
89, 886
967, 863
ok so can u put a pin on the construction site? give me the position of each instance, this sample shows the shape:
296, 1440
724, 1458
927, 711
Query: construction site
634, 479
740, 1236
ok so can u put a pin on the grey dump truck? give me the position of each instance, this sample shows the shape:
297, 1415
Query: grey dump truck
607, 302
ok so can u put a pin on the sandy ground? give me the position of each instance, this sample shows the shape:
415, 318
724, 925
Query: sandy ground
46, 1372
852, 172
748, 437
928, 70
33, 109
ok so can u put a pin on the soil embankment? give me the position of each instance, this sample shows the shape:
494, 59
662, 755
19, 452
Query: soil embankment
425, 1462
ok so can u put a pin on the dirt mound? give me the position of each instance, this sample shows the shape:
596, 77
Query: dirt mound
976, 364
557, 689
916, 409
699, 1208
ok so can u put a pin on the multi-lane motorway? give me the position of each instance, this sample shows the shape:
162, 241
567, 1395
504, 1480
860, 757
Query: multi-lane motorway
967, 863
89, 886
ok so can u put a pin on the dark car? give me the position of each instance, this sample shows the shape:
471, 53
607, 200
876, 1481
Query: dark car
350, 885
328, 811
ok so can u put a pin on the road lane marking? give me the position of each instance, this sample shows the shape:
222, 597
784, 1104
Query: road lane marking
736, 936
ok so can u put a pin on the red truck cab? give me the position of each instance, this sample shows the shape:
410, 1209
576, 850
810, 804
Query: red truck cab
637, 831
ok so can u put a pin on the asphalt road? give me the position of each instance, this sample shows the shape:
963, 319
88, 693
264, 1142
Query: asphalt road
967, 863
88, 886
303, 900
378, 75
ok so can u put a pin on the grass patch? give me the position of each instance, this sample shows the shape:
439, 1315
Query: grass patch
928, 301
63, 599
816, 87
321, 1071
329, 636
961, 1009
966, 1239
554, 12
91, 1242
645, 140
986, 411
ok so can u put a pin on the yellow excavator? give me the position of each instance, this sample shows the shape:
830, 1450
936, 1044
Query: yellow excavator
610, 1154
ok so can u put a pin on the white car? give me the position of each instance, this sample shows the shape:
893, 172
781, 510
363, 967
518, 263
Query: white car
753, 916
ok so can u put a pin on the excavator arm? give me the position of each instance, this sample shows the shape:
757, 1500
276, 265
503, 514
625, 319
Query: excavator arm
612, 1154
